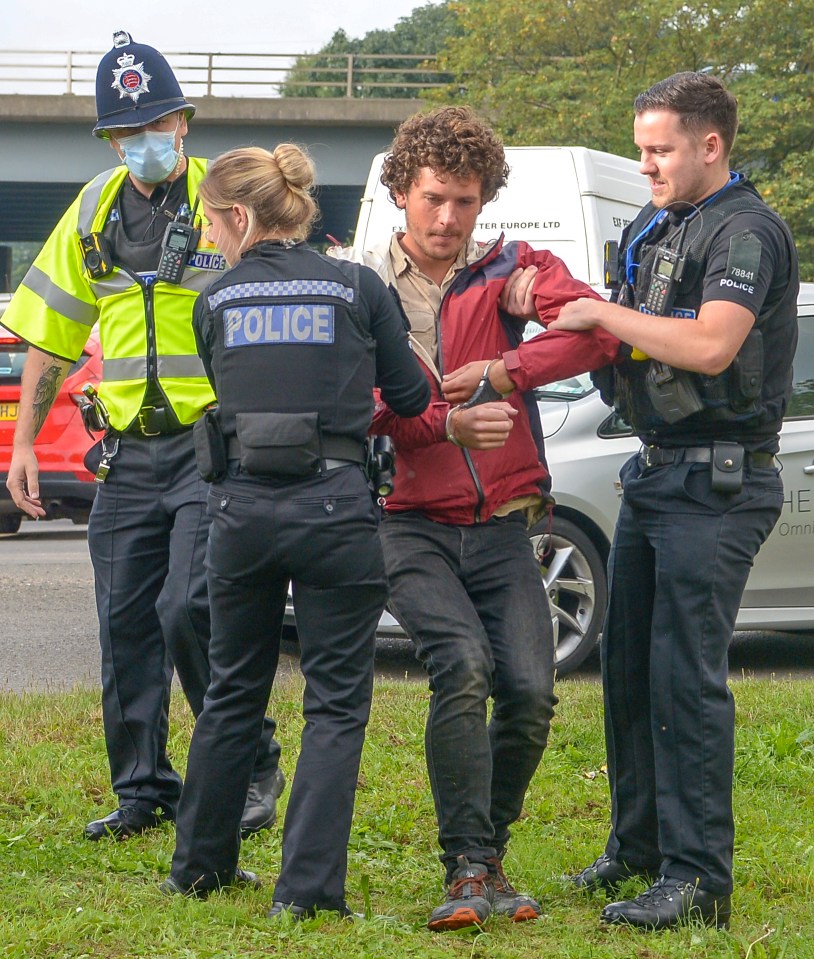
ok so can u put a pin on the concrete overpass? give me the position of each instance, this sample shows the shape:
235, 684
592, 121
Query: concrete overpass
47, 151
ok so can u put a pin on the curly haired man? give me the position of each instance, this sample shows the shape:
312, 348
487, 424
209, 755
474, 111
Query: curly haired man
463, 577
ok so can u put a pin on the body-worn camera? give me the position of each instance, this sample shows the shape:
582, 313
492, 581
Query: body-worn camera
96, 255
612, 271
381, 464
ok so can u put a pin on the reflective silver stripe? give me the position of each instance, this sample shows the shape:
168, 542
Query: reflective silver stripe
115, 283
132, 368
180, 366
58, 299
90, 200
135, 368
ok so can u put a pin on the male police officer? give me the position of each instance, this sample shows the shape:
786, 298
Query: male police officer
148, 527
705, 387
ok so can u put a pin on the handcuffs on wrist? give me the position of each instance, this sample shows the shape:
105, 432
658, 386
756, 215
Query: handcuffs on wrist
484, 393
450, 435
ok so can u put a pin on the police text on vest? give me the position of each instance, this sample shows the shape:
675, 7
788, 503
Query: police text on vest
311, 323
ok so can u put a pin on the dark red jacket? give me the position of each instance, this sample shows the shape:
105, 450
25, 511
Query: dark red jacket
458, 486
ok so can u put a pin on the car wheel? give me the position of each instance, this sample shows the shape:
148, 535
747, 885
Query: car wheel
10, 522
576, 582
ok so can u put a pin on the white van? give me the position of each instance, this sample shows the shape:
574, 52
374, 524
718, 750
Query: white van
568, 200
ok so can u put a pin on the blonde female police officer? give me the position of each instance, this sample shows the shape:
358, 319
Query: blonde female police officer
293, 343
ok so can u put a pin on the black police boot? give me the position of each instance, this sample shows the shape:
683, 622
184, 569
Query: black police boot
298, 913
669, 902
260, 811
126, 821
606, 873
243, 878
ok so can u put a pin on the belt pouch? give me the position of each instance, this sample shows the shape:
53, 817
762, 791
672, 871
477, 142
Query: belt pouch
726, 467
210, 446
672, 392
281, 445
746, 377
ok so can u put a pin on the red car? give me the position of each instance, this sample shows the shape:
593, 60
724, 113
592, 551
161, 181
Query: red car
66, 487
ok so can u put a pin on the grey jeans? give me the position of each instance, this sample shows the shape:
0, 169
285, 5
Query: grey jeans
472, 600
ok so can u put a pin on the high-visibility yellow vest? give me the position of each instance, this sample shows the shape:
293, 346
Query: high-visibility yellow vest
57, 304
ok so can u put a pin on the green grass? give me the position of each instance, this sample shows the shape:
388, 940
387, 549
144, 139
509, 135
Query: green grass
61, 896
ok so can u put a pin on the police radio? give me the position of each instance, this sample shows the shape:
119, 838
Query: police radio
668, 270
664, 280
96, 255
180, 238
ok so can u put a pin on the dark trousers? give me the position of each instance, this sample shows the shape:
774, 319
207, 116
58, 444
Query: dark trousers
472, 600
147, 537
679, 563
321, 535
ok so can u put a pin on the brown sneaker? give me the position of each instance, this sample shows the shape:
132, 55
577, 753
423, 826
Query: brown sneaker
469, 898
508, 901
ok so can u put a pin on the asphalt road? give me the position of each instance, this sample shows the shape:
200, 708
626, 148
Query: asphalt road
49, 634
48, 625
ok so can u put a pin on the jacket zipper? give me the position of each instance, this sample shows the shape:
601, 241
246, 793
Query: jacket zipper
466, 454
149, 318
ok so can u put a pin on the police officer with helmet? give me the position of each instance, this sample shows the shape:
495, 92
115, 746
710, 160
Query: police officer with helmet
706, 300
108, 262
293, 343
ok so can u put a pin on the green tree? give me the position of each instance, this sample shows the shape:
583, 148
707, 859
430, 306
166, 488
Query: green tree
567, 72
378, 70
774, 83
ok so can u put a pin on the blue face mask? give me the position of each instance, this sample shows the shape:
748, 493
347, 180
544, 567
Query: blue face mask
150, 157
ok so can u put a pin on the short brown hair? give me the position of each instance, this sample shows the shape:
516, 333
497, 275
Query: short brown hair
451, 141
700, 100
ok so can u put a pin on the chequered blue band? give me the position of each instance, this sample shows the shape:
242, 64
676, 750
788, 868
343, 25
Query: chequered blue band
245, 291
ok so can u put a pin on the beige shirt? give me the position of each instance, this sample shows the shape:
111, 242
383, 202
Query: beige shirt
421, 297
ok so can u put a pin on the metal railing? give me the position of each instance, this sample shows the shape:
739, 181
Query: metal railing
234, 74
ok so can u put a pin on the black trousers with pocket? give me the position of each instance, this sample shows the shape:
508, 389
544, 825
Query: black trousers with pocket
678, 567
321, 535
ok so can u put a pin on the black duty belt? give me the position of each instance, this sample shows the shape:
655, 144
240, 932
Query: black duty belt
156, 421
336, 451
663, 456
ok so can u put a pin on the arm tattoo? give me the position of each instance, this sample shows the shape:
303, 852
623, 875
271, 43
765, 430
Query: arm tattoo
45, 394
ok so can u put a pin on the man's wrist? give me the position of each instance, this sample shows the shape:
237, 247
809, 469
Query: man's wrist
499, 378
450, 427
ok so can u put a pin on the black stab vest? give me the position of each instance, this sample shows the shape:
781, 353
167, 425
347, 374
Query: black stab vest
273, 307
734, 406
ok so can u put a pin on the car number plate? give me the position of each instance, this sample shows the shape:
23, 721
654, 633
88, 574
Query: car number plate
8, 411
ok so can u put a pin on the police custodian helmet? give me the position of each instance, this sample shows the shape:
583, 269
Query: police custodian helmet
134, 86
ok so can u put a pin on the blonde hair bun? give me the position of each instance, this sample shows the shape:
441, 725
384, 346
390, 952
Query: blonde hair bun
275, 187
295, 165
